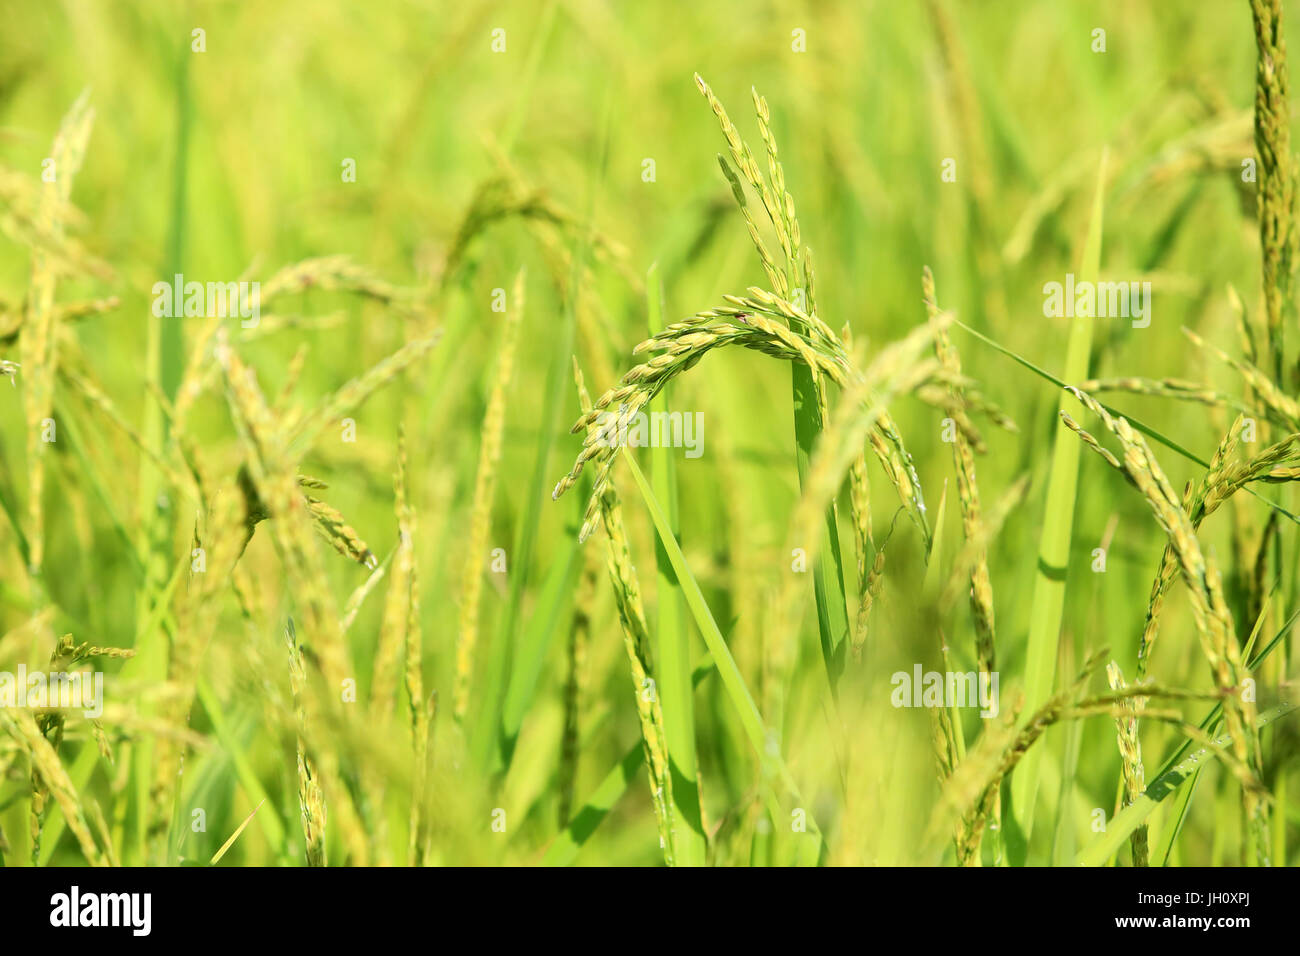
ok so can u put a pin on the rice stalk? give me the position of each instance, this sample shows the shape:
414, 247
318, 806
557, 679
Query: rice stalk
1130, 749
1214, 622
342, 537
303, 432
973, 787
392, 632
506, 195
21, 726
681, 346
991, 522
481, 510
1280, 408
1221, 481
95, 397
636, 641
1174, 388
311, 801
1276, 175
675, 689
896, 370
333, 274
1173, 776
37, 217
981, 588
275, 485
359, 595
38, 339
423, 708
808, 389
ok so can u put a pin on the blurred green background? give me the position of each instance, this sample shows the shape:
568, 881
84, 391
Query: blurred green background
227, 163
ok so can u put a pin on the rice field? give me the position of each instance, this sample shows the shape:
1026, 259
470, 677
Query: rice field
569, 434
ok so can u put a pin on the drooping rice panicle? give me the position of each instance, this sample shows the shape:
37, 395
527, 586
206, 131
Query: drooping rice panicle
311, 801
870, 562
275, 485
505, 194
422, 706
872, 582
392, 631
1130, 749
51, 726
636, 641
98, 400
38, 339
981, 588
356, 391
358, 597
1213, 621
76, 311
19, 724
1277, 236
897, 369
37, 217
1175, 388
331, 274
1223, 479
945, 748
808, 386
292, 376
65, 313
343, 538
1280, 407
973, 787
992, 520
681, 347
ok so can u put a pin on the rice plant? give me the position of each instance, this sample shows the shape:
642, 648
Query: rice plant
463, 458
